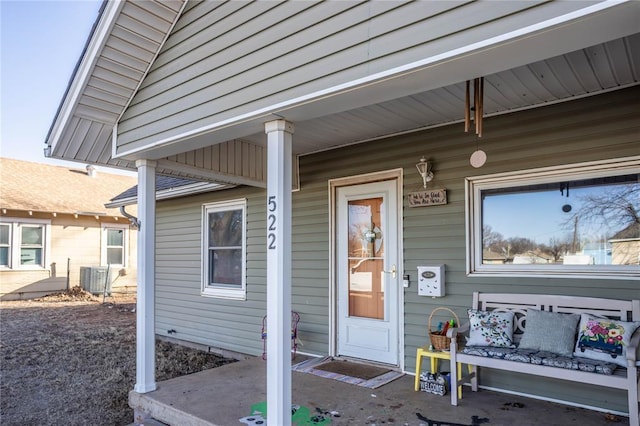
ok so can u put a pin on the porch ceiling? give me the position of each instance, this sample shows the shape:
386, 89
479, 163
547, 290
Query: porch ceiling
591, 71
531, 73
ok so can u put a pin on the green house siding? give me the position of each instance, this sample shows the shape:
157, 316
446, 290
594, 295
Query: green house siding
229, 324
224, 59
596, 128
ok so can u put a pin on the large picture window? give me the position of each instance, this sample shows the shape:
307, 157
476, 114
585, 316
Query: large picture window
224, 249
581, 220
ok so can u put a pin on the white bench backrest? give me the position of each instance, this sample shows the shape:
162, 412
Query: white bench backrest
625, 310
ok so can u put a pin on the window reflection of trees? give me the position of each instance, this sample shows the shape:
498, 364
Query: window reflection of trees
601, 225
225, 247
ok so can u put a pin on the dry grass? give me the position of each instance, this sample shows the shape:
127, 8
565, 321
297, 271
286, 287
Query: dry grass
70, 360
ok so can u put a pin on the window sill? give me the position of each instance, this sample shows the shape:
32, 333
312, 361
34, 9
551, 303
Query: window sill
613, 274
224, 293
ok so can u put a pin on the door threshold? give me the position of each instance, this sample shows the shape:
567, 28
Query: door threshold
366, 362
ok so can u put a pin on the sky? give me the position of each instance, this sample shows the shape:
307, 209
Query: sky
539, 216
40, 44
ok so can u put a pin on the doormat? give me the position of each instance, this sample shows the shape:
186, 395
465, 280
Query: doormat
349, 372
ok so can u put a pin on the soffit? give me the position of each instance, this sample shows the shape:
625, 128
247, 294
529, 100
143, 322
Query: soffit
124, 43
140, 30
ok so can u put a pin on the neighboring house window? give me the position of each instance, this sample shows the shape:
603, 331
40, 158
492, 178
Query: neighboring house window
114, 246
5, 244
224, 249
32, 245
24, 243
575, 220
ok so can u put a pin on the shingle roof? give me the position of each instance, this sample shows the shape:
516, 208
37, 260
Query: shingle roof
168, 187
162, 183
630, 232
41, 187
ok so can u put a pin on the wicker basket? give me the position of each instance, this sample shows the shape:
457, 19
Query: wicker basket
438, 341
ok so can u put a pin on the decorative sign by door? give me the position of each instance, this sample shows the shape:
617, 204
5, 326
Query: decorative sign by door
430, 197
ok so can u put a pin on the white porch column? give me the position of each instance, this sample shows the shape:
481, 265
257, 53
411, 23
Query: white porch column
145, 309
279, 272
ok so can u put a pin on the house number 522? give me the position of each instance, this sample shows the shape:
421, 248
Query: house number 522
271, 222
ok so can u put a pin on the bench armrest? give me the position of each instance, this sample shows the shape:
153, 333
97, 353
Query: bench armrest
632, 349
454, 331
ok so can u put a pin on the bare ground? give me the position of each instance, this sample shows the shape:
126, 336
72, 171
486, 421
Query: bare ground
70, 360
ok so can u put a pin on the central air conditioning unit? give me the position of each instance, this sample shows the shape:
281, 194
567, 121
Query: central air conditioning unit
94, 278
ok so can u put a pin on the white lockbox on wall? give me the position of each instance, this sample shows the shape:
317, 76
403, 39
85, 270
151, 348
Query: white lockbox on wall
431, 280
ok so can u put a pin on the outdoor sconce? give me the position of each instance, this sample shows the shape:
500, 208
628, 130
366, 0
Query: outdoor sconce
424, 168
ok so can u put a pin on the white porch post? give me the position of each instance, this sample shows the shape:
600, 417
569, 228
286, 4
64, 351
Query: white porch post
279, 272
145, 310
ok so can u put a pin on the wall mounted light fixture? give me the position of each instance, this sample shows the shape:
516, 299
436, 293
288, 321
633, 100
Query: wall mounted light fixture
424, 168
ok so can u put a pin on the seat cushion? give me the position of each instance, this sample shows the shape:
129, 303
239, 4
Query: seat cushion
550, 359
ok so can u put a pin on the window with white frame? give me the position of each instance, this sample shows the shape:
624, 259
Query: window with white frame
5, 245
224, 249
114, 245
24, 243
577, 220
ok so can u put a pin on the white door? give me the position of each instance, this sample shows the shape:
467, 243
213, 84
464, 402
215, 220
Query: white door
367, 264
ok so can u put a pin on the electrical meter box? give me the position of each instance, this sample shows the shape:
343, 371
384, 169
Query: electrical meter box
431, 280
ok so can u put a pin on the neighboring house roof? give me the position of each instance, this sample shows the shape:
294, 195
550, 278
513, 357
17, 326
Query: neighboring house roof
492, 255
167, 187
29, 186
631, 232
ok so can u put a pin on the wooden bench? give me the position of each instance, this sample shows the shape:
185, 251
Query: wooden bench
624, 310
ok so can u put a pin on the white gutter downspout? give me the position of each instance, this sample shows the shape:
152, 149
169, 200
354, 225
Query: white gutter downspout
135, 222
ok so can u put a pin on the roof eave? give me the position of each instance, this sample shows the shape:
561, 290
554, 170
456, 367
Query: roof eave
107, 16
182, 191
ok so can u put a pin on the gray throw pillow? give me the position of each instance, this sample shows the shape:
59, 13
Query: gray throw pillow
550, 331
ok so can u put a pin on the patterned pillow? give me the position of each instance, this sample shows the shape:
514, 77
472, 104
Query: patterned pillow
604, 339
550, 331
490, 328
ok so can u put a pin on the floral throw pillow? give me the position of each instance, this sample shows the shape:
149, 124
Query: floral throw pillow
490, 328
604, 339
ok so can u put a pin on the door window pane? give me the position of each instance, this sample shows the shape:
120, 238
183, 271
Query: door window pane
366, 258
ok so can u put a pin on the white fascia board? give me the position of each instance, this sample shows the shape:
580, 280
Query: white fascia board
114, 138
617, 18
85, 68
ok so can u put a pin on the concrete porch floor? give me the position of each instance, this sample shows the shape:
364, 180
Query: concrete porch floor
221, 396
